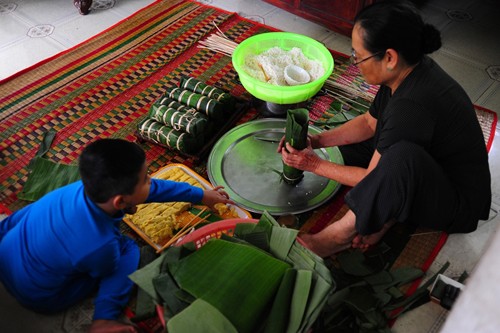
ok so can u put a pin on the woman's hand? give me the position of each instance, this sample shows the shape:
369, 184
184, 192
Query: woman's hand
305, 159
217, 195
281, 144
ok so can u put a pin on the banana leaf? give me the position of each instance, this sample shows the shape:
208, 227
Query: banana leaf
243, 282
280, 311
143, 277
318, 297
286, 247
297, 125
191, 122
145, 306
46, 175
354, 263
166, 288
201, 103
199, 87
302, 288
200, 316
282, 239
157, 132
323, 284
222, 272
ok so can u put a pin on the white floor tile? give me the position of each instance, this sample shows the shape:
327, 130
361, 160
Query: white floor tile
472, 41
26, 52
53, 10
12, 29
490, 99
242, 7
494, 160
485, 13
337, 42
81, 28
427, 318
455, 4
471, 75
292, 23
125, 8
463, 251
435, 15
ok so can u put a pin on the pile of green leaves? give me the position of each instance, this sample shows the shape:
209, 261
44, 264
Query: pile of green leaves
259, 280
369, 294
342, 110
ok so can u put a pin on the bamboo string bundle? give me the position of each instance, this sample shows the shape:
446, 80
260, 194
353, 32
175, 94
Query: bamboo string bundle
347, 96
218, 42
338, 84
342, 89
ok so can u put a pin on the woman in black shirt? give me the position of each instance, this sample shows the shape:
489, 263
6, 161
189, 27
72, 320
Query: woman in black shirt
418, 156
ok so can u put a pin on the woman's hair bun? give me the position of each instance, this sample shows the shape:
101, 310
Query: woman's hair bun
431, 39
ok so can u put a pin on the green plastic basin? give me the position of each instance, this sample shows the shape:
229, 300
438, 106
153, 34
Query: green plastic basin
257, 44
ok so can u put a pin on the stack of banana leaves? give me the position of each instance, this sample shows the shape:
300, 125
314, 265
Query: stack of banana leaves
184, 118
258, 280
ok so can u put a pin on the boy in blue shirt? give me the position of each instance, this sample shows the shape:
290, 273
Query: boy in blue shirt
59, 249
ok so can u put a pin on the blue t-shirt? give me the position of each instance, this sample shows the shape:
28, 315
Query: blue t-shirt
48, 244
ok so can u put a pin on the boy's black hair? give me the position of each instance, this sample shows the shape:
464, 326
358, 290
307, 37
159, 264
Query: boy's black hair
109, 167
398, 25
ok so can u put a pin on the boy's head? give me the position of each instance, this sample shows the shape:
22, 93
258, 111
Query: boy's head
111, 167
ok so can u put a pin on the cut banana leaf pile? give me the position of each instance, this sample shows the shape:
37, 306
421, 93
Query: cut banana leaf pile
369, 294
259, 280
341, 110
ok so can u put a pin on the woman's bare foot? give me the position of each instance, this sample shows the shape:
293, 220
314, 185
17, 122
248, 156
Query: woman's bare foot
111, 326
334, 238
364, 242
322, 249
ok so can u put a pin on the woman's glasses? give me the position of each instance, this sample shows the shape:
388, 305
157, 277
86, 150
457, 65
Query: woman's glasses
354, 58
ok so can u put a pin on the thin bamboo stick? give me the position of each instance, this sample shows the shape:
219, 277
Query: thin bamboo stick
348, 89
346, 100
264, 72
185, 229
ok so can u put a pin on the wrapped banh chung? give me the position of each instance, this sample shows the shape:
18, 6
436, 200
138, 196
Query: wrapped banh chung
180, 117
204, 104
199, 87
166, 135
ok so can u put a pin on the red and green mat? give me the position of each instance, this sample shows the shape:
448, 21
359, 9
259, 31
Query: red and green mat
105, 86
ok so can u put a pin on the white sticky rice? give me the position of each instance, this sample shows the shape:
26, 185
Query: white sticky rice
274, 61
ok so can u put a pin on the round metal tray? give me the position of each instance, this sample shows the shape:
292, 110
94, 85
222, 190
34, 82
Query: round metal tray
246, 163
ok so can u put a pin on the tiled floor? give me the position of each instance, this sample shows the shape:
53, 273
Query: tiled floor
32, 30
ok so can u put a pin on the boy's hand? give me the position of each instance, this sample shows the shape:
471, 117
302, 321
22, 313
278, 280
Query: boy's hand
211, 197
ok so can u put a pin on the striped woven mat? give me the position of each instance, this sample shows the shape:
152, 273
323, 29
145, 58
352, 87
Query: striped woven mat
104, 86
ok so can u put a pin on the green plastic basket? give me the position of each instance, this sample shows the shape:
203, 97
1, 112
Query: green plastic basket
257, 44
